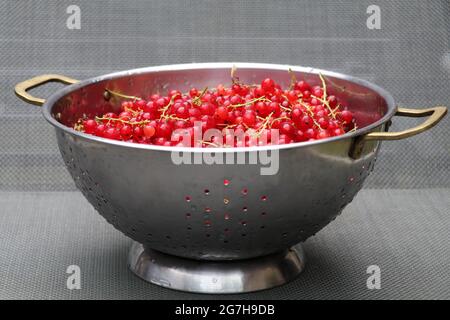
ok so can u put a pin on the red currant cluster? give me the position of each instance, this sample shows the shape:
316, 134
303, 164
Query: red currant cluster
300, 113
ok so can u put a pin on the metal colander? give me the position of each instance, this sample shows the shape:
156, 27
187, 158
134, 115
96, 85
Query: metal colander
218, 227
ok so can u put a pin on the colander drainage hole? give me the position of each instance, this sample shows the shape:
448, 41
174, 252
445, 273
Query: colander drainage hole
244, 191
188, 199
263, 213
244, 223
208, 210
206, 192
263, 198
226, 182
244, 209
188, 215
226, 216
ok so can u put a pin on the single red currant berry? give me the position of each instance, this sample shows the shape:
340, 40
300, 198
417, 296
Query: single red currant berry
284, 139
300, 136
112, 133
338, 132
164, 130
137, 133
323, 134
302, 86
296, 115
207, 109
306, 122
146, 116
194, 112
235, 99
249, 118
125, 115
140, 104
150, 107
182, 112
323, 123
306, 94
332, 101
268, 85
346, 116
161, 102
100, 130
149, 131
193, 92
126, 131
318, 92
222, 113
287, 128
90, 126
314, 102
274, 107
310, 133
292, 96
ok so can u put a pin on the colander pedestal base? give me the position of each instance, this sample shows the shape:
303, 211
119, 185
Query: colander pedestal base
216, 276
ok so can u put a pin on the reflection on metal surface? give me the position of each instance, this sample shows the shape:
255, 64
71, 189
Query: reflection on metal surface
216, 277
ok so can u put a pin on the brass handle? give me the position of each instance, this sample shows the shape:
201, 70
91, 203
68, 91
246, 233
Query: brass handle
22, 88
436, 114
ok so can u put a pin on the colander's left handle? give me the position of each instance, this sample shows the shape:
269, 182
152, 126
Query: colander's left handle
22, 87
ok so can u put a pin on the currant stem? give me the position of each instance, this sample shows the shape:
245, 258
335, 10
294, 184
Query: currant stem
324, 97
248, 102
293, 79
120, 95
198, 100
134, 123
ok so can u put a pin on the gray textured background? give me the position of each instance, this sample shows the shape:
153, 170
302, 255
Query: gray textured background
404, 231
409, 56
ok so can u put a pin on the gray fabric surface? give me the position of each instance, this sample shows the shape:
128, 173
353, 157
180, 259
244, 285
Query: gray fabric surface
409, 56
404, 232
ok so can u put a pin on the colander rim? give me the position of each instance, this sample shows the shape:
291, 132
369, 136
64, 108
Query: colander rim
49, 103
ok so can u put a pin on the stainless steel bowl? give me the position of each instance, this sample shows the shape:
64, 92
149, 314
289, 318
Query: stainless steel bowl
218, 228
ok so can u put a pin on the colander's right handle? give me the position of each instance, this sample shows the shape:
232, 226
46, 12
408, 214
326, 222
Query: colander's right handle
22, 87
435, 115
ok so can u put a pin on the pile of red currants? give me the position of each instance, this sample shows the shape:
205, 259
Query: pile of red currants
300, 113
